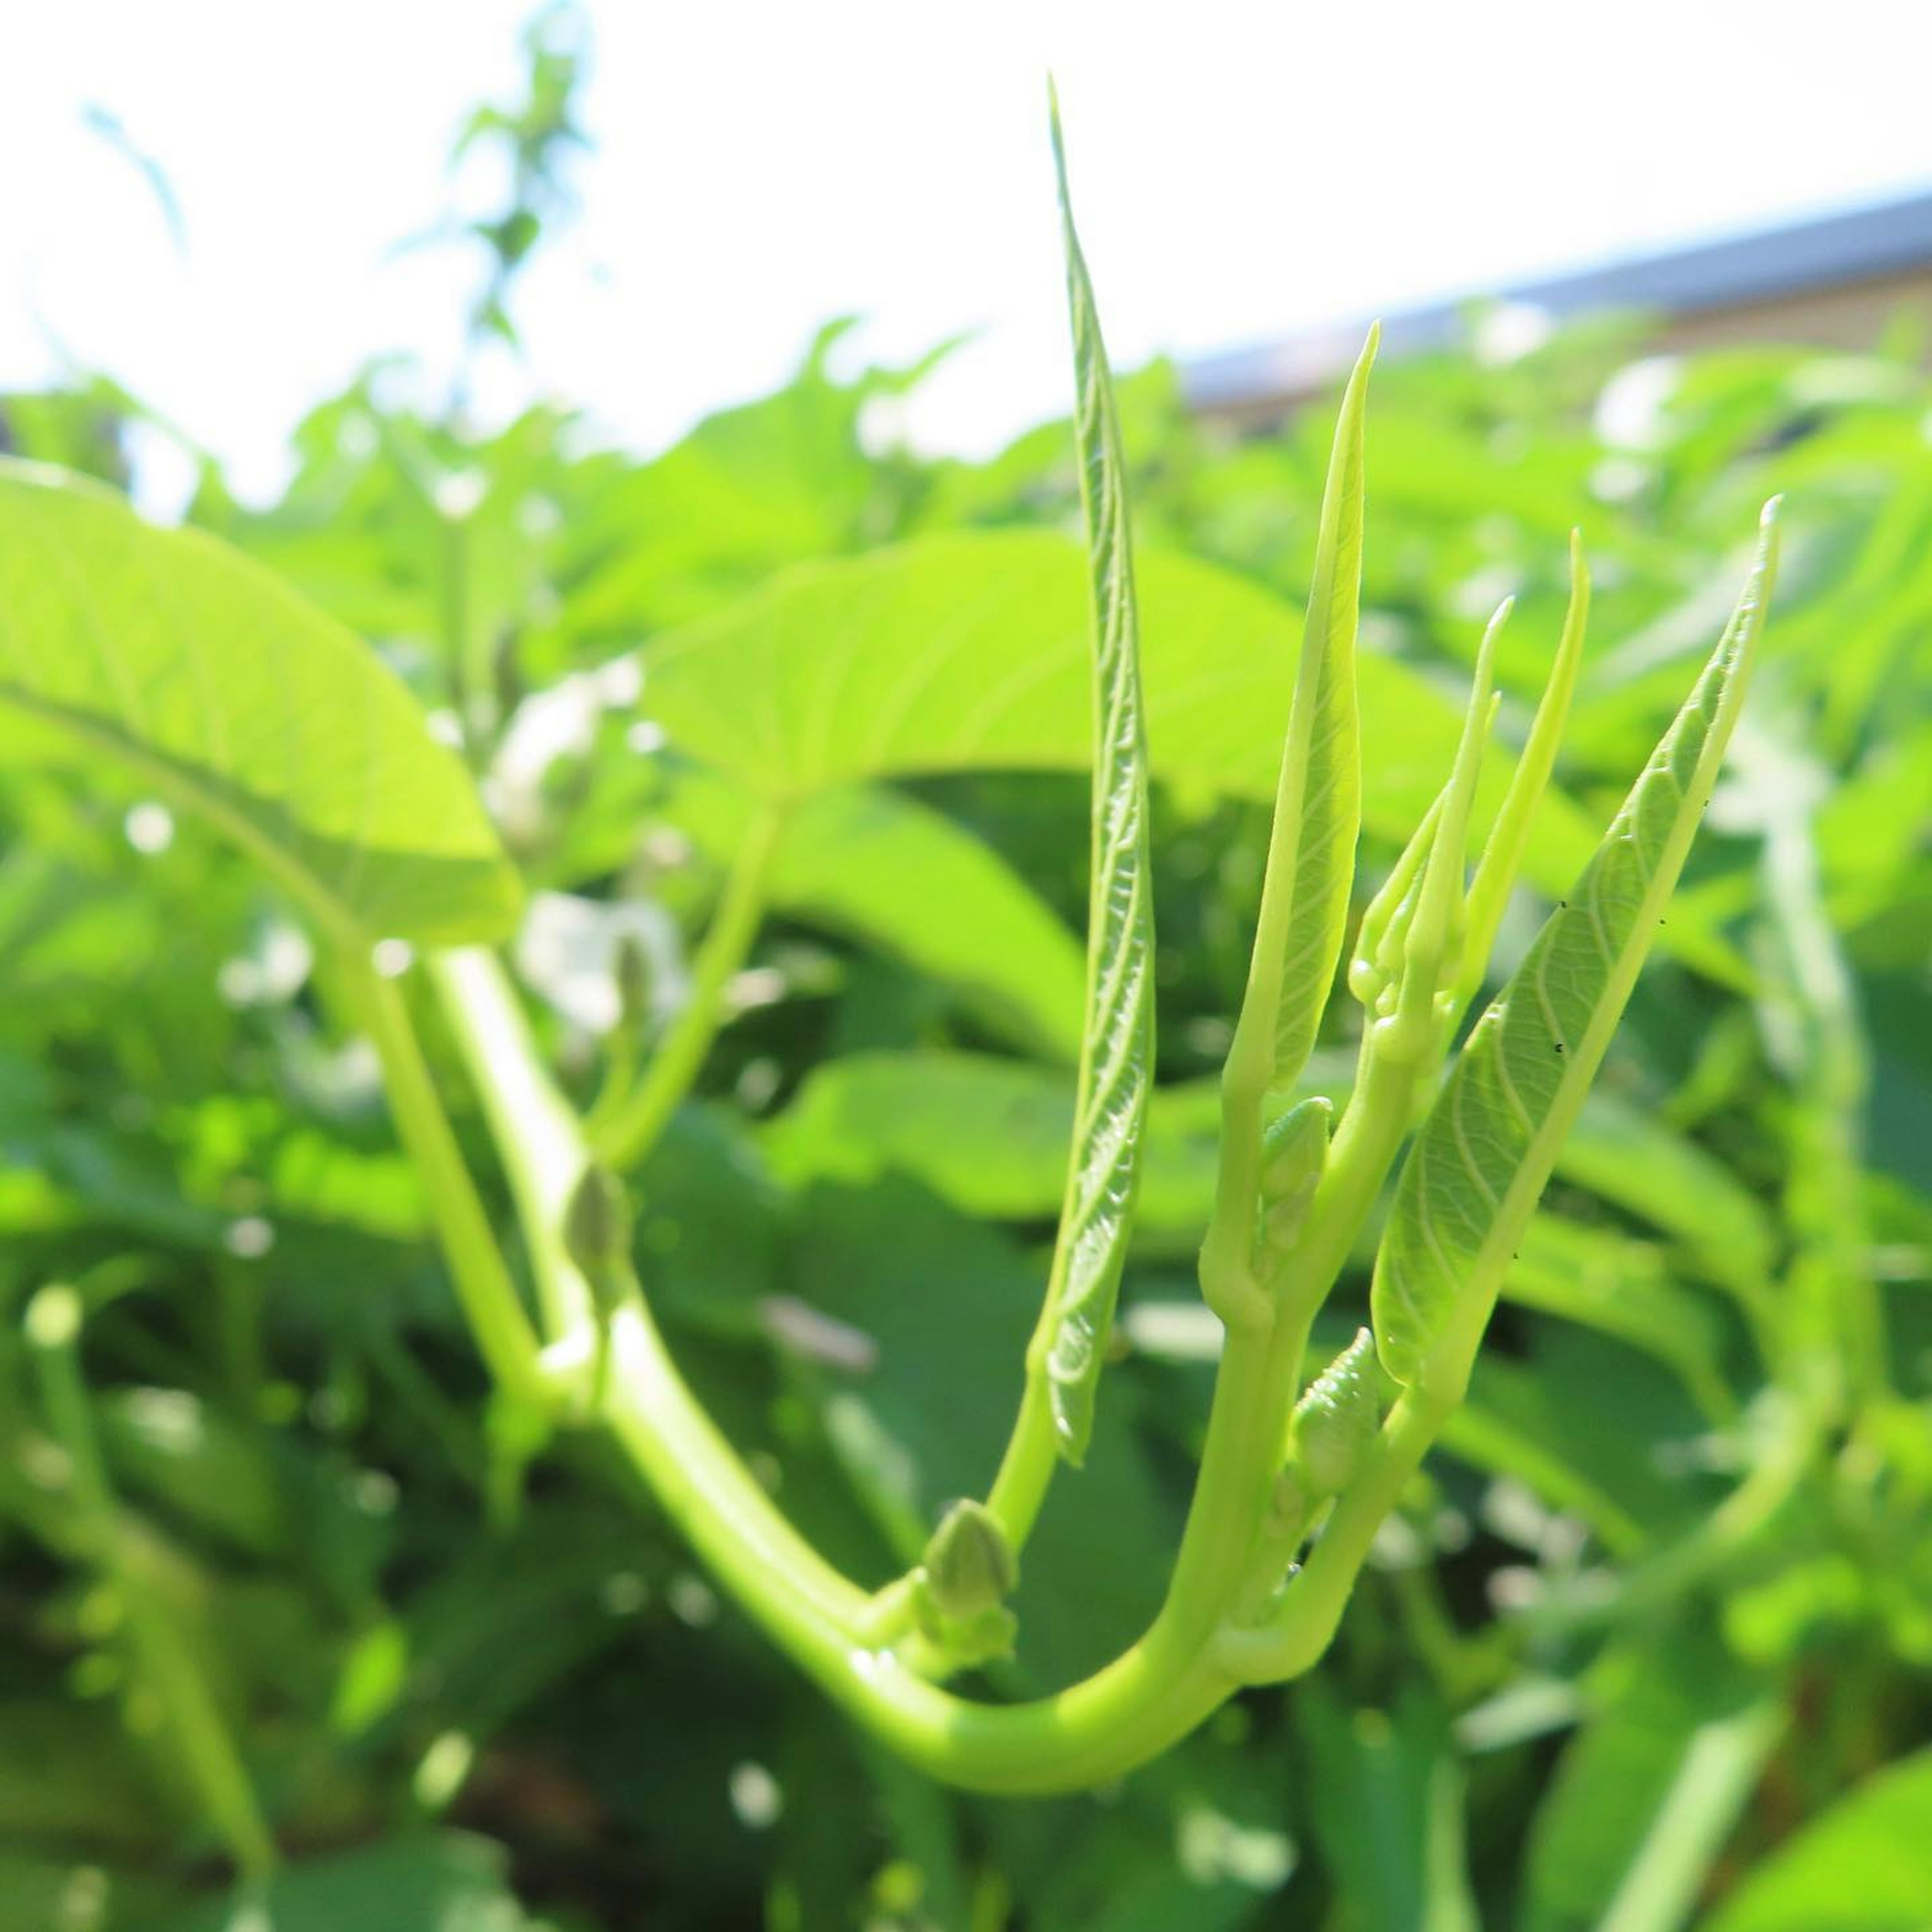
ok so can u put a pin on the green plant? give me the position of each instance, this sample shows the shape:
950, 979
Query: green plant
227, 694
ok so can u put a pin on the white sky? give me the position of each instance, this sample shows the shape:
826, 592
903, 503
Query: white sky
1239, 169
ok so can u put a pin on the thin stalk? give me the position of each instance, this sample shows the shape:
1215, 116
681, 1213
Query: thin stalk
541, 1142
163, 1659
635, 1123
488, 1296
536, 1135
1032, 1452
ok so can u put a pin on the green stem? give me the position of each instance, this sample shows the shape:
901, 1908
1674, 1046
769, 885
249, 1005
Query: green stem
162, 1656
634, 1124
488, 1294
1164, 1685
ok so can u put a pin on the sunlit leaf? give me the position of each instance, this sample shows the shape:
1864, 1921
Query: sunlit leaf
203, 676
969, 652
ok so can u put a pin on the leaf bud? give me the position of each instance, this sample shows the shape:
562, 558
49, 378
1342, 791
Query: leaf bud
631, 968
597, 1222
969, 1566
1336, 1419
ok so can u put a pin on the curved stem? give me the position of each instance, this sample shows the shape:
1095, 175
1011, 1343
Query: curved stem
1165, 1684
635, 1122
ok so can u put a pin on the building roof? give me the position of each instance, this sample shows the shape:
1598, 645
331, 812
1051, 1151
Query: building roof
1870, 244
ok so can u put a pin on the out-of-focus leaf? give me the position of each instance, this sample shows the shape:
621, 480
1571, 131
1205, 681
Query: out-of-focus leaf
169, 1444
171, 655
873, 863
448, 1882
1664, 1704
1640, 1164
1561, 1422
1385, 1791
1603, 1280
1864, 1865
72, 1774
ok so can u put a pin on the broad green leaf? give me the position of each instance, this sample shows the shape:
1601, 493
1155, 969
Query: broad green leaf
871, 862
1117, 1043
1480, 1163
971, 652
210, 681
1318, 811
1865, 1865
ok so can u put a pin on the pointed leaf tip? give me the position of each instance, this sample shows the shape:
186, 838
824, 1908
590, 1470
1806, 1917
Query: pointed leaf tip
1116, 1059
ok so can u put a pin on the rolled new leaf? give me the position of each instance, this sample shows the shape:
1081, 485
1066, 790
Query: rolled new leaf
1311, 865
1117, 1045
1318, 810
1421, 940
1480, 1161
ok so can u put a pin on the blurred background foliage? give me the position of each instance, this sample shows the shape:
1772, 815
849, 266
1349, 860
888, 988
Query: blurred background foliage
1653, 1644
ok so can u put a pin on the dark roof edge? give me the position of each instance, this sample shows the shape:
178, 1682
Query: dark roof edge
1863, 245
